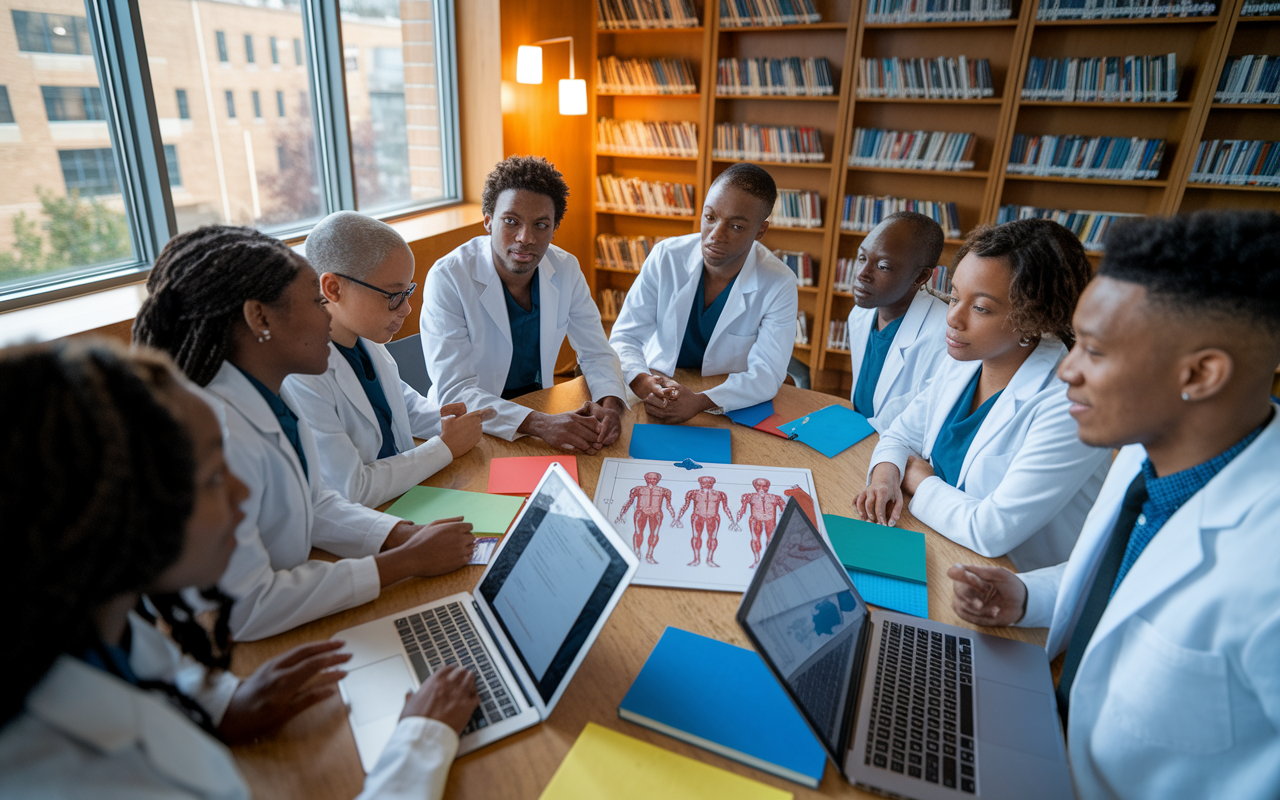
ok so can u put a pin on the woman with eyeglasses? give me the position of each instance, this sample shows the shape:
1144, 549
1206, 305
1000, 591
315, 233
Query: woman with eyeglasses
363, 415
239, 311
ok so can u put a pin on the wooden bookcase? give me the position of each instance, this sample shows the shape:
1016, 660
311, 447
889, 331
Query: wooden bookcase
1202, 45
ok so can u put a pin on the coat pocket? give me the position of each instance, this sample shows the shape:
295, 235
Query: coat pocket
1167, 695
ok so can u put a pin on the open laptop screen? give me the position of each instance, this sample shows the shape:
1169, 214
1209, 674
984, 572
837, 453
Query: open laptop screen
552, 580
807, 621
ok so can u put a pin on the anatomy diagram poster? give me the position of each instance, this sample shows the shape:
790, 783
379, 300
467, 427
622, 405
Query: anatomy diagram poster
698, 528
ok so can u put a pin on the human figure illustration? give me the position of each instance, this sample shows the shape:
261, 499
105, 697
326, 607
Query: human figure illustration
706, 503
648, 500
764, 514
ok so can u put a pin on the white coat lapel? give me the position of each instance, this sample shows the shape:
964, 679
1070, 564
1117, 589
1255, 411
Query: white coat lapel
951, 385
895, 360
860, 322
548, 316
1030, 378
676, 314
735, 305
389, 377
349, 383
491, 296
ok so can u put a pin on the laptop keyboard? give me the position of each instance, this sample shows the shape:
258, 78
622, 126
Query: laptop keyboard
443, 636
922, 708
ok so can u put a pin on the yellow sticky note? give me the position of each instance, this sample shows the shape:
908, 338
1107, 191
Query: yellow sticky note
605, 763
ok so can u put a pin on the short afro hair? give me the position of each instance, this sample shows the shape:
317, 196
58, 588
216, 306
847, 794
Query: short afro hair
753, 180
531, 173
927, 234
1221, 263
1050, 270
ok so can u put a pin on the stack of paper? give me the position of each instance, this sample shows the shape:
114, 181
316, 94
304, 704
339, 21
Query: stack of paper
887, 565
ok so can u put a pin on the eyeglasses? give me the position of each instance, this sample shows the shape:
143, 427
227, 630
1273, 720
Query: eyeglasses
394, 299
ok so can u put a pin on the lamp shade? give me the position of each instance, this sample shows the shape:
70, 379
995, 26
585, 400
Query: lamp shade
573, 98
529, 64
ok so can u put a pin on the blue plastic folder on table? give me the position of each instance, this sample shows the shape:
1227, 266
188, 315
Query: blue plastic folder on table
678, 442
887, 565
723, 698
752, 415
830, 430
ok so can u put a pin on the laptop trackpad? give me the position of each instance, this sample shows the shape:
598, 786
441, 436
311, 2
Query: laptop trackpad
377, 690
1017, 718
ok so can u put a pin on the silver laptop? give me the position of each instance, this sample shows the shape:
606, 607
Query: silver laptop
549, 587
903, 706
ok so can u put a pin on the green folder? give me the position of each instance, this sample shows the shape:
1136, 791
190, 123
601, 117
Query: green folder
489, 514
866, 546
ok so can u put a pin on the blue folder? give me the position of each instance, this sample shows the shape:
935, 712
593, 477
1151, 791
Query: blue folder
752, 416
678, 442
724, 699
830, 430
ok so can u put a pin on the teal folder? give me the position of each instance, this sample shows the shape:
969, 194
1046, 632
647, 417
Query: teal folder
892, 552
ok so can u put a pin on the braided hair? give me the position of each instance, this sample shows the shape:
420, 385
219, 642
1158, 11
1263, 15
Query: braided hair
99, 481
1050, 270
198, 288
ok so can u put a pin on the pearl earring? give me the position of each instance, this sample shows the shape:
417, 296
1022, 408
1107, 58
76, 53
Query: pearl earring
1186, 397
265, 337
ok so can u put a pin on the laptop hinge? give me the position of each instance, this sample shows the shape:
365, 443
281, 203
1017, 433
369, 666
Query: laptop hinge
502, 652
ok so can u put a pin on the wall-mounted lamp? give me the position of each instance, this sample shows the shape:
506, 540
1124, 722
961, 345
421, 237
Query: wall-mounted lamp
573, 93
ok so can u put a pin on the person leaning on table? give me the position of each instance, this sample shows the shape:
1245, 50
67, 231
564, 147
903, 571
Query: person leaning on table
1169, 607
117, 500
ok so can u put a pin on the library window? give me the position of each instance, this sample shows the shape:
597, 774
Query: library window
52, 33
171, 164
281, 174
73, 103
90, 173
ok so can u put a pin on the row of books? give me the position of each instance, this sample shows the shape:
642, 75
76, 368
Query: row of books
624, 14
1089, 226
645, 76
838, 335
792, 77
845, 275
937, 10
611, 301
633, 137
1128, 9
1116, 157
757, 13
616, 193
1249, 79
944, 76
797, 208
928, 150
941, 281
800, 262
777, 144
1237, 162
624, 252
1107, 79
1256, 9
864, 212
802, 328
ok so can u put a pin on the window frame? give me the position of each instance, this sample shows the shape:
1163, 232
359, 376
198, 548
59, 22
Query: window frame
119, 52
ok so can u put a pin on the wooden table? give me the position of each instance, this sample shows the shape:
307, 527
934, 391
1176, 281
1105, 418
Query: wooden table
314, 756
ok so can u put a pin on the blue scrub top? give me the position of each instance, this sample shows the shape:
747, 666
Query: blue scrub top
957, 433
284, 415
873, 364
525, 373
702, 323
358, 358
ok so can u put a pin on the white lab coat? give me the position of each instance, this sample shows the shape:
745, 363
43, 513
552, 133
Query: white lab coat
87, 734
752, 341
275, 585
348, 436
1028, 480
918, 351
1178, 692
466, 333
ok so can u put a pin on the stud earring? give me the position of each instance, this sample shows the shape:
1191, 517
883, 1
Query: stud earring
265, 337
1186, 398
1024, 342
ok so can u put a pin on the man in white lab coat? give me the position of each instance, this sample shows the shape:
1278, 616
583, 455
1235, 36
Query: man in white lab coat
717, 301
496, 310
1169, 607
896, 328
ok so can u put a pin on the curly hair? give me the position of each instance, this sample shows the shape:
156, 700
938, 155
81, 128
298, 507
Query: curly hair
531, 173
99, 480
198, 288
752, 179
1211, 262
1050, 270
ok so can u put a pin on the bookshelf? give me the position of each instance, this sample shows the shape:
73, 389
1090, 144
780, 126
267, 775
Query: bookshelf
1201, 46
